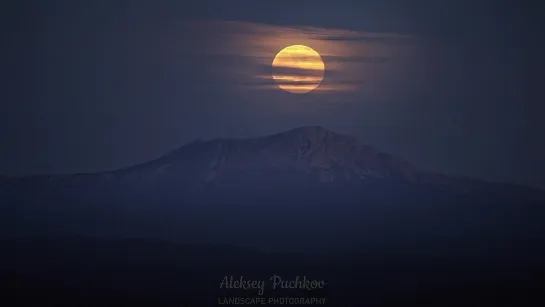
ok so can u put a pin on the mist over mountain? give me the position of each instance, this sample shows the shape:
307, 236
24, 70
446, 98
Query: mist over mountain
303, 188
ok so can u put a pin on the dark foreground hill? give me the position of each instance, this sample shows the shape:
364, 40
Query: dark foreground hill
83, 271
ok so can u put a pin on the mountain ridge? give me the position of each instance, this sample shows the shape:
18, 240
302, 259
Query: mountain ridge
313, 151
323, 189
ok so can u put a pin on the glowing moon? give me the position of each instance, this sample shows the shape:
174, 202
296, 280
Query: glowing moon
298, 69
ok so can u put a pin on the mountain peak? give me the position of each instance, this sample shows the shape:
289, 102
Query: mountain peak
313, 150
305, 154
310, 130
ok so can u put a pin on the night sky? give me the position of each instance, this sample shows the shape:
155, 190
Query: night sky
452, 86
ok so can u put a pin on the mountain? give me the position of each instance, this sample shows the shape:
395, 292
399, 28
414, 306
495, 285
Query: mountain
333, 186
313, 153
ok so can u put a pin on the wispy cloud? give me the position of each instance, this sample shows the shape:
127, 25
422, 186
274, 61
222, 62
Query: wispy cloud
390, 40
354, 60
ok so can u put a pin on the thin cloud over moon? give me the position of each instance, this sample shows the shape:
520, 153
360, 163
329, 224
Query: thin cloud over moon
354, 60
298, 69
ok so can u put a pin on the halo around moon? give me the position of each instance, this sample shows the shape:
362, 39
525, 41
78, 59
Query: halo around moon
298, 69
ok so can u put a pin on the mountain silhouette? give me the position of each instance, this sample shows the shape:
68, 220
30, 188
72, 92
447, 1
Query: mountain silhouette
334, 186
312, 152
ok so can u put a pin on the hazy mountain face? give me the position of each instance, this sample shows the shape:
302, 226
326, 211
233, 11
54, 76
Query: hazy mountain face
307, 186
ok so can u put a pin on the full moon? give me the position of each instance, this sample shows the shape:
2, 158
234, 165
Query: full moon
298, 69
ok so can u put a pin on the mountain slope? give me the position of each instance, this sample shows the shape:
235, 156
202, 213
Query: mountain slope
313, 152
319, 186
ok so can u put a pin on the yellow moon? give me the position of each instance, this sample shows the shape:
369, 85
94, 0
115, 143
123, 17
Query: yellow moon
298, 69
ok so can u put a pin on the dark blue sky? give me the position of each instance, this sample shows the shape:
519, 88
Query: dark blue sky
89, 86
